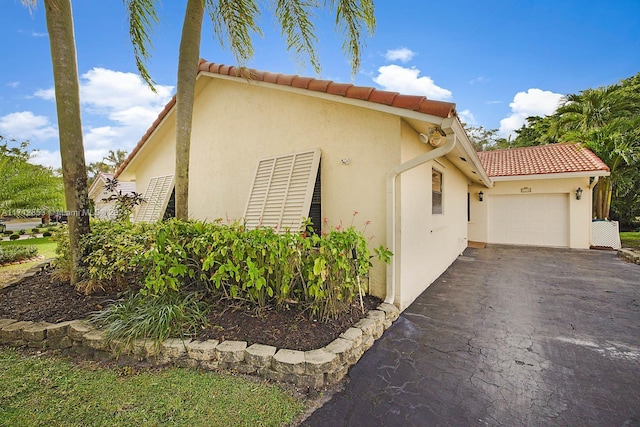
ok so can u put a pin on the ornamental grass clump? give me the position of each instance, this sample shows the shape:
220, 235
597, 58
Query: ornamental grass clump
152, 317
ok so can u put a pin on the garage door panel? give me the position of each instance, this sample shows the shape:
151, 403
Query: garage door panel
529, 219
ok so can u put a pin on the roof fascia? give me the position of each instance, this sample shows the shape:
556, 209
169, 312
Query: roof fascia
145, 145
561, 175
470, 152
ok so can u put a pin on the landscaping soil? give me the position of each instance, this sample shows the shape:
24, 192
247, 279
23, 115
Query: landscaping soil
43, 298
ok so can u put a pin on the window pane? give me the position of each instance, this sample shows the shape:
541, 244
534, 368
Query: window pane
436, 181
436, 192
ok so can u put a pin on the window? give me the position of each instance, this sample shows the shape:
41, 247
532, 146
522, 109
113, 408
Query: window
282, 191
156, 199
436, 192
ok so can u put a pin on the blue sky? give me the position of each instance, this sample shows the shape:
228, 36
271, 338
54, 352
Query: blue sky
498, 60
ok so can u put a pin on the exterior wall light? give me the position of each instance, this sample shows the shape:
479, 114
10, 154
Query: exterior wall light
481, 196
579, 193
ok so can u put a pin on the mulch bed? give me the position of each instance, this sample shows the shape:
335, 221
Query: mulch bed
44, 298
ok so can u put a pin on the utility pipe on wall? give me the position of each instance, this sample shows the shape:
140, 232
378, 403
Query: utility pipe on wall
391, 207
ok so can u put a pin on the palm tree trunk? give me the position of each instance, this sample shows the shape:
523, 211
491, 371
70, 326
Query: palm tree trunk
65, 75
187, 71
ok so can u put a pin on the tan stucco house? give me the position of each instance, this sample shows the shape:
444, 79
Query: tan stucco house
272, 148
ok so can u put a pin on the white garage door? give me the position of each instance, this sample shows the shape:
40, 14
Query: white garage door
529, 219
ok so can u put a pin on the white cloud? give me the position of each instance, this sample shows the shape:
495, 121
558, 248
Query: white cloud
25, 125
466, 116
46, 158
120, 104
534, 102
36, 34
13, 85
479, 79
406, 81
402, 54
48, 94
112, 91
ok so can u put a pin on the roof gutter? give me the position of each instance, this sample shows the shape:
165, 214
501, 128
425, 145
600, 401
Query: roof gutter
451, 141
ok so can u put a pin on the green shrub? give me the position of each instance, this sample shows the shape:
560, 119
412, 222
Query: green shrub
112, 253
16, 253
14, 236
47, 234
322, 274
22, 231
35, 230
154, 317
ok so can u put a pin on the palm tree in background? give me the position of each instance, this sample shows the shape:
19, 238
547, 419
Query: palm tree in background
234, 22
606, 120
67, 94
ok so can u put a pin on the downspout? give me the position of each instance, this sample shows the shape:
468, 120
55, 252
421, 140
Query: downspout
391, 206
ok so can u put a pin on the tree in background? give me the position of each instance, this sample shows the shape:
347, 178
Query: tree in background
234, 23
109, 164
534, 132
65, 76
606, 121
25, 186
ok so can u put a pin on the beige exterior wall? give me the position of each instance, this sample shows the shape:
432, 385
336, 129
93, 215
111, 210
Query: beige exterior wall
156, 158
579, 210
261, 123
428, 244
236, 124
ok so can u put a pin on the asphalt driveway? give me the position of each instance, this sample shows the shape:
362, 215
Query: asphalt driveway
507, 336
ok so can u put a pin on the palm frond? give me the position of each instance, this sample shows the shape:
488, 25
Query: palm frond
352, 17
142, 17
294, 17
233, 23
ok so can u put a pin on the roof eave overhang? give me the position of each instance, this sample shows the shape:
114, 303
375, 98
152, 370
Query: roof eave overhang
561, 175
402, 112
470, 154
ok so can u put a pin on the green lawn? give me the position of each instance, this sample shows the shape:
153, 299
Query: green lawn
45, 245
37, 391
630, 239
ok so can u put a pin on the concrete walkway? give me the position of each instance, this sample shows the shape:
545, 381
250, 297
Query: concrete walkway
507, 336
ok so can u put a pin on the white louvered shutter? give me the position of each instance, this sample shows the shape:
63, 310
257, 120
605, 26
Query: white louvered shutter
282, 190
157, 196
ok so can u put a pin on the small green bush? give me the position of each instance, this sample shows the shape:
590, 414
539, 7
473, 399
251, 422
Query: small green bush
16, 253
14, 236
22, 231
47, 234
35, 230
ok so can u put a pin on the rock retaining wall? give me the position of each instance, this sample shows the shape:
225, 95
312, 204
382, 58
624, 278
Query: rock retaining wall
629, 255
315, 368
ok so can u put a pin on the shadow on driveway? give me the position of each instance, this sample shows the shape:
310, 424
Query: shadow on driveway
506, 336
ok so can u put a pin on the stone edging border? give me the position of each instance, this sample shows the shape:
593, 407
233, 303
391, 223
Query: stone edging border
315, 368
629, 255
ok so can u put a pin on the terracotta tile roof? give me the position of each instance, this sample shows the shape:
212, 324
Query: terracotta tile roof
542, 159
393, 99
